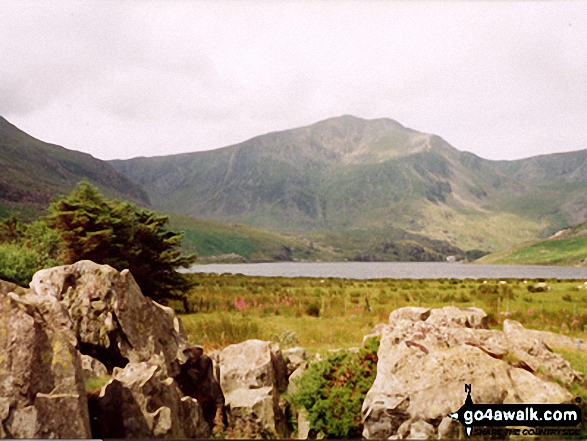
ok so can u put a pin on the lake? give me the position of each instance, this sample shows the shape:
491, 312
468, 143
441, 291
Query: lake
394, 270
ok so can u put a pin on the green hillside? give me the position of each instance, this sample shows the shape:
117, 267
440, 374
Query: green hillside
568, 247
33, 171
341, 189
217, 242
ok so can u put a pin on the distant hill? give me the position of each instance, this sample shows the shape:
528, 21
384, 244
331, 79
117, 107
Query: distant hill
346, 175
567, 247
33, 171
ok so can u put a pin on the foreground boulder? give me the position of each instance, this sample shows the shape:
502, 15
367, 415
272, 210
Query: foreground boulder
426, 358
252, 376
41, 378
112, 320
87, 321
142, 401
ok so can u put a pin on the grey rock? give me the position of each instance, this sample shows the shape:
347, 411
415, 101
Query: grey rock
423, 365
516, 330
142, 401
294, 358
411, 313
297, 374
196, 379
303, 420
460, 317
6, 287
112, 320
449, 429
421, 430
92, 368
41, 379
375, 332
252, 376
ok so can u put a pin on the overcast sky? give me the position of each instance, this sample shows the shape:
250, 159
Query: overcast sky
119, 79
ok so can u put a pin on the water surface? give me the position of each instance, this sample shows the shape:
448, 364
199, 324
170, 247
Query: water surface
394, 270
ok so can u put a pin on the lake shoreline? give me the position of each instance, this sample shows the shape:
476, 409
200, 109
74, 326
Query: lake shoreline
393, 270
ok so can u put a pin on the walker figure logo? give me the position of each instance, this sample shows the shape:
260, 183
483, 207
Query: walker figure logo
530, 415
465, 409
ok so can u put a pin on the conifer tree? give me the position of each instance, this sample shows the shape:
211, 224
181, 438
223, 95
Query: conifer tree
123, 236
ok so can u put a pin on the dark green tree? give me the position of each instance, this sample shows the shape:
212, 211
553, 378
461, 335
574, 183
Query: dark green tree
123, 236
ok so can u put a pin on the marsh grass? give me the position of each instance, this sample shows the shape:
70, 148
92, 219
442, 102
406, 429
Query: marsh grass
336, 313
218, 330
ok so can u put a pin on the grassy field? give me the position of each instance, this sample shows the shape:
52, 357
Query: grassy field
322, 314
564, 251
568, 247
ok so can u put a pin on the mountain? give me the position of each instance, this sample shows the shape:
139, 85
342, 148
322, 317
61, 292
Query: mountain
34, 171
343, 188
348, 175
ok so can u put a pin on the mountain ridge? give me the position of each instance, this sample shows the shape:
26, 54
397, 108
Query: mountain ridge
346, 183
34, 171
348, 172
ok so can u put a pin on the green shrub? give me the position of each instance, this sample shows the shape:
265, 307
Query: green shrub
487, 289
17, 264
25, 249
287, 339
333, 390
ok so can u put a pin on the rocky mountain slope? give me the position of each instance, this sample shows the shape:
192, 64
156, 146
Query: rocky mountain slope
34, 171
349, 174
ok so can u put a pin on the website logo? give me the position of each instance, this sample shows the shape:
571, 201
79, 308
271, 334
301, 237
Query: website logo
529, 415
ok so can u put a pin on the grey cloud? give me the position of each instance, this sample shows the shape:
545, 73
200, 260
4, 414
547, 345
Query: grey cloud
500, 79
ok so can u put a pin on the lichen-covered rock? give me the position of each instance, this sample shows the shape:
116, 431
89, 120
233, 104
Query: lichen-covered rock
86, 320
41, 379
142, 401
112, 320
252, 376
425, 360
